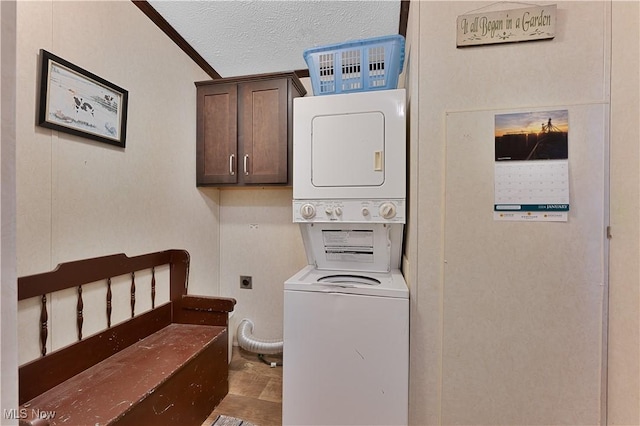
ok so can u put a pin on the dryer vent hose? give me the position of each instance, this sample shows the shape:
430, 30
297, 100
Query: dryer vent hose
252, 344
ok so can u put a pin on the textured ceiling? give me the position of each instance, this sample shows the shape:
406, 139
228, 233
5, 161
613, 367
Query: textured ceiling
253, 37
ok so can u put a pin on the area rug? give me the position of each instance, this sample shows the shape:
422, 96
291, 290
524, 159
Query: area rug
230, 421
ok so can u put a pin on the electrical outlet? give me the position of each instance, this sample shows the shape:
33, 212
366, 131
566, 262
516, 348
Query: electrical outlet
245, 282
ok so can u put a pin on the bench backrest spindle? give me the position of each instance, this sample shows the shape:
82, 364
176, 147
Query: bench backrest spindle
153, 288
79, 308
44, 328
133, 294
109, 297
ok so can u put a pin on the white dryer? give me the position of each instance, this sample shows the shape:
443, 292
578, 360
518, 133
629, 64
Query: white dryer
346, 314
350, 146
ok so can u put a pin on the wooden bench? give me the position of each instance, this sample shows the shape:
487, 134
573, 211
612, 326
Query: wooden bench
167, 366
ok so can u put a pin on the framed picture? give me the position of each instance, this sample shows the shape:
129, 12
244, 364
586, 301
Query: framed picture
75, 101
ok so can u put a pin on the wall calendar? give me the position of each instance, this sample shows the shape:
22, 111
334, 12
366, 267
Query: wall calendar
532, 166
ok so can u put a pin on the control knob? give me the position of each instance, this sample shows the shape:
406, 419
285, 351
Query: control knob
388, 210
308, 211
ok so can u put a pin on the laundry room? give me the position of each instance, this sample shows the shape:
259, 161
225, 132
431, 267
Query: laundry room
529, 321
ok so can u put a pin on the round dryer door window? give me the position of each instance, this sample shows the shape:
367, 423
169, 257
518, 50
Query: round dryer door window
349, 279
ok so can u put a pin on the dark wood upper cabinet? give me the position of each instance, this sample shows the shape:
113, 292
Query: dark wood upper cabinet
244, 133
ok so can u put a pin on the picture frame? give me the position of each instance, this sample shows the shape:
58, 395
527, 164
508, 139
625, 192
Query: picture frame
76, 101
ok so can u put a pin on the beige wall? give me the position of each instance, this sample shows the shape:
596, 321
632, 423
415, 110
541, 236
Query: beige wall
424, 297
624, 280
258, 238
77, 198
575, 71
8, 303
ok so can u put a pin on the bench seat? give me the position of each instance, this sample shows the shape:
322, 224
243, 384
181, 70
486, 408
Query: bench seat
133, 386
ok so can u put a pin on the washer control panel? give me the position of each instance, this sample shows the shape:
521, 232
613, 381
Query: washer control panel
376, 211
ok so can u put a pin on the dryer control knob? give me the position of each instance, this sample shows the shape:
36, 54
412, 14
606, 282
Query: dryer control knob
328, 211
338, 211
388, 210
365, 211
308, 211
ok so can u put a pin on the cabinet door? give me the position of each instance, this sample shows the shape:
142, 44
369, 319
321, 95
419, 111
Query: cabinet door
217, 147
262, 131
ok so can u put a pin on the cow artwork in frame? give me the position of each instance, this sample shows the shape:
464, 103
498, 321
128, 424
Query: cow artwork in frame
78, 102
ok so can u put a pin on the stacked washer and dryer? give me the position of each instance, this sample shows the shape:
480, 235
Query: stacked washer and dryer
346, 314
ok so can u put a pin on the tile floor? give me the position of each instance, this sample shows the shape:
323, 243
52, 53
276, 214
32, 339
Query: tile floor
255, 390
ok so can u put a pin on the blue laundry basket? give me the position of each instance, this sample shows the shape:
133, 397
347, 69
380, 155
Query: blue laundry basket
356, 66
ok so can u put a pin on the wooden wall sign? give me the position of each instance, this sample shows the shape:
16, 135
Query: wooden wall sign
506, 26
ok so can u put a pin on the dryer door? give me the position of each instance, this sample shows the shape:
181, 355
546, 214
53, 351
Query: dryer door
350, 146
347, 150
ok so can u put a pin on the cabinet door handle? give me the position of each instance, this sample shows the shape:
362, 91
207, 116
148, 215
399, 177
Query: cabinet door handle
231, 161
246, 159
